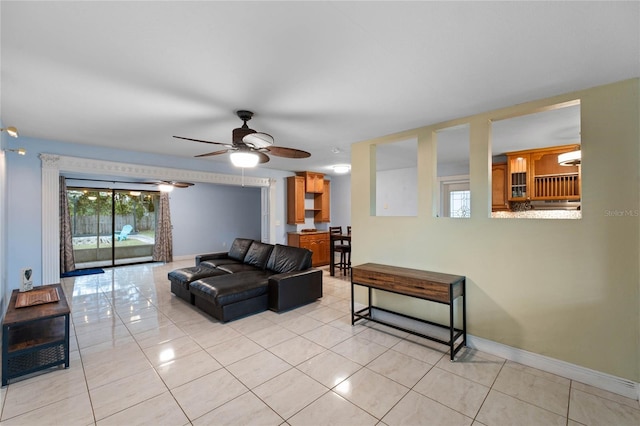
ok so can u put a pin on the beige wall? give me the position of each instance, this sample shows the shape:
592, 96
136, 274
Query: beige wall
567, 289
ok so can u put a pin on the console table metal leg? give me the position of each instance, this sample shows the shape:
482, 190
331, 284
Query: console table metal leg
464, 312
353, 307
451, 328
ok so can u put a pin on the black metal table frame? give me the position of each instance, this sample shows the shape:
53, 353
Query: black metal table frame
454, 333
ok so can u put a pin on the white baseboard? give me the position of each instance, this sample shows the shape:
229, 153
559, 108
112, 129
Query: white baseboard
585, 375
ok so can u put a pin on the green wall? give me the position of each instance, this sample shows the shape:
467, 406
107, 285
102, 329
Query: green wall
567, 289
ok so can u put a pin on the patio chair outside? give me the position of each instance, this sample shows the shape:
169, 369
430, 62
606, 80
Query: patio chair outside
124, 234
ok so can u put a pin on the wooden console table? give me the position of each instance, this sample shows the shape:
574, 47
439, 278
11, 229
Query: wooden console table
35, 337
431, 286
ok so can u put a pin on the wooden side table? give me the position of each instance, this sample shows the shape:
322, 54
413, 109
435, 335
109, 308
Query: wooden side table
35, 337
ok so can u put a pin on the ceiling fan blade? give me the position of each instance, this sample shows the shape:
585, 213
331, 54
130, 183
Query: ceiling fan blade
288, 152
200, 140
264, 158
181, 184
224, 151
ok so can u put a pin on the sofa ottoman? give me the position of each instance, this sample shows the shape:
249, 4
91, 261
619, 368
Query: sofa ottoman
230, 296
182, 278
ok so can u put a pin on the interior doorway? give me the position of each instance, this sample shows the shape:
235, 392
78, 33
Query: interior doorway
112, 227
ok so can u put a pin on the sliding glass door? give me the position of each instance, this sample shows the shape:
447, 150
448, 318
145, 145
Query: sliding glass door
112, 227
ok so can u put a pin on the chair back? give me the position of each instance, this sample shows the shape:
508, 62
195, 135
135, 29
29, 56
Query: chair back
349, 229
335, 230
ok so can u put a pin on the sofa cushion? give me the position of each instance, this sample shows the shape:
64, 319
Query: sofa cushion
258, 254
231, 288
217, 263
287, 259
234, 268
239, 248
184, 276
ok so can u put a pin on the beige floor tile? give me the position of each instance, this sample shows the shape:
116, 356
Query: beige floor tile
234, 350
325, 314
329, 368
359, 350
473, 365
301, 324
382, 337
371, 391
115, 368
633, 403
257, 369
501, 409
187, 368
70, 411
118, 314
457, 393
159, 410
296, 350
591, 409
248, 325
332, 409
271, 336
124, 393
214, 334
246, 409
415, 409
159, 335
419, 351
326, 336
207, 393
36, 392
290, 392
534, 389
176, 348
400, 367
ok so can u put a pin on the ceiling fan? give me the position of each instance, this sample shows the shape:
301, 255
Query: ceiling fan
249, 147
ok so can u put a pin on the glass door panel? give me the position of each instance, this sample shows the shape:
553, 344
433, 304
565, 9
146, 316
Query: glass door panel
112, 227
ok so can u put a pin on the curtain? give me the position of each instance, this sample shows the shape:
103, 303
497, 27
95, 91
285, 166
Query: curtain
67, 263
163, 247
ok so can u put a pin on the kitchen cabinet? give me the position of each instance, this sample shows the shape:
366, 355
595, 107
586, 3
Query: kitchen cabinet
295, 200
322, 204
499, 199
319, 202
317, 242
536, 175
314, 182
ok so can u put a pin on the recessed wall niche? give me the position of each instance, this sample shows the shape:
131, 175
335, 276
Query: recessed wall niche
396, 185
453, 195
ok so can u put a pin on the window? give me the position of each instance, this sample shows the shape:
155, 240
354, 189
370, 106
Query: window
456, 199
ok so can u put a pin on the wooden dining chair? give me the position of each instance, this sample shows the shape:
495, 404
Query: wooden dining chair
344, 249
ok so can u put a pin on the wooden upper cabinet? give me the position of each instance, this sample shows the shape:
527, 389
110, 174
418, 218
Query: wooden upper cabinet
295, 200
536, 175
499, 200
550, 180
322, 204
314, 182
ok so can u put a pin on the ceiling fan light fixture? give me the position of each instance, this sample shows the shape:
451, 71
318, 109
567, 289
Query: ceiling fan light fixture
342, 168
165, 187
244, 159
12, 131
258, 140
572, 158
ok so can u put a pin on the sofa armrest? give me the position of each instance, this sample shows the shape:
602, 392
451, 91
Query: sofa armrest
209, 256
292, 289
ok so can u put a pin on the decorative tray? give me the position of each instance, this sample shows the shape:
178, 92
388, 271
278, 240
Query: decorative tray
37, 297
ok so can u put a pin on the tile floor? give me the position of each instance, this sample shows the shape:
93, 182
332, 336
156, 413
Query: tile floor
142, 356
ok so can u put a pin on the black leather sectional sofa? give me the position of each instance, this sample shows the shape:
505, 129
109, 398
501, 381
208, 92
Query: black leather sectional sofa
252, 277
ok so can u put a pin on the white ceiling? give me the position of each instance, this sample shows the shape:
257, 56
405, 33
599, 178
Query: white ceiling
318, 75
